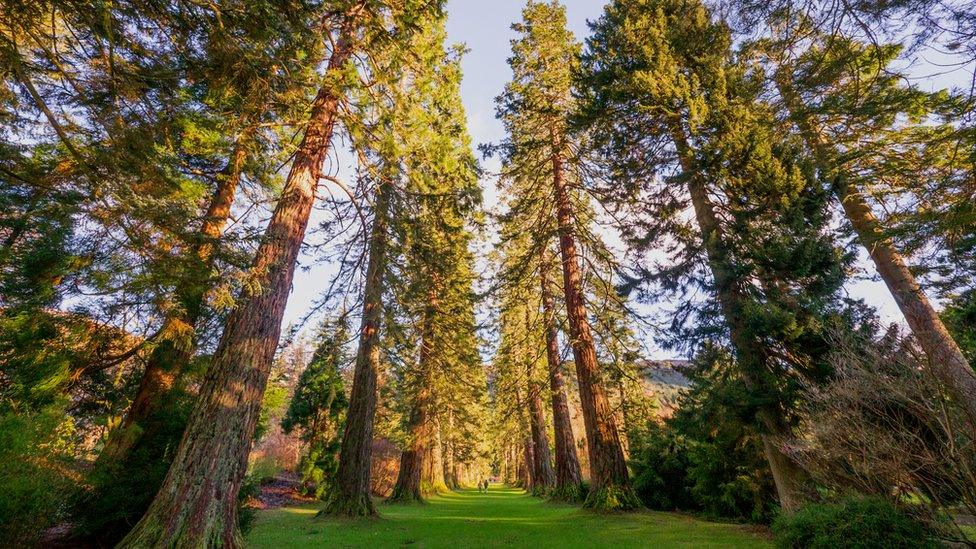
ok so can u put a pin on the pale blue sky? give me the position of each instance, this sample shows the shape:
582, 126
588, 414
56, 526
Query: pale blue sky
485, 28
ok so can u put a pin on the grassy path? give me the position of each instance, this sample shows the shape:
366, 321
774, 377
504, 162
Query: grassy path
503, 517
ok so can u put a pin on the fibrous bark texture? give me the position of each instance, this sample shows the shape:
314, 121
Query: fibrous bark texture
609, 480
197, 503
569, 479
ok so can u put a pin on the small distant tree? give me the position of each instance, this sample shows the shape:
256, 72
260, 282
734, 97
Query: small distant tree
318, 408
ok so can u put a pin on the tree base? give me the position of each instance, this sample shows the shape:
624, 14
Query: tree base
569, 493
612, 498
338, 505
432, 488
151, 533
404, 497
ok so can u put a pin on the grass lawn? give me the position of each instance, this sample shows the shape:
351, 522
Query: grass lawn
502, 517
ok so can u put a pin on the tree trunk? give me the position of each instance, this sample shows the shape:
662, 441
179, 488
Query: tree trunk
408, 487
543, 476
197, 503
789, 477
945, 357
177, 340
516, 471
511, 473
351, 497
528, 482
609, 481
568, 477
432, 480
451, 473
413, 485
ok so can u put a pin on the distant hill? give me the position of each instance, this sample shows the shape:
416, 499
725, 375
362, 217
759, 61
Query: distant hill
665, 380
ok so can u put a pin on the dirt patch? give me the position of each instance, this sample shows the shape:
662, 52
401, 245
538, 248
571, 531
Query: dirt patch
281, 491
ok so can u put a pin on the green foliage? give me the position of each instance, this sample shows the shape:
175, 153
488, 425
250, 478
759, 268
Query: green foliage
247, 515
858, 523
707, 458
318, 407
272, 403
960, 318
35, 478
660, 461
37, 363
117, 493
762, 237
37, 253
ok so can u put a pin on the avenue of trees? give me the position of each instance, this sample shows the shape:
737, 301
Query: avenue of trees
708, 178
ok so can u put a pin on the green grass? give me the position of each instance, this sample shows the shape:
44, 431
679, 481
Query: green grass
502, 517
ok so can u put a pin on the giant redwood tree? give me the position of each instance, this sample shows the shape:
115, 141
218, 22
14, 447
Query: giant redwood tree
569, 480
534, 109
443, 198
423, 151
197, 503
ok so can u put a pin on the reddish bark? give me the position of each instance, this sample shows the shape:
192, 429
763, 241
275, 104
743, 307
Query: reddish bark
543, 476
568, 475
608, 469
525, 468
417, 457
197, 503
407, 487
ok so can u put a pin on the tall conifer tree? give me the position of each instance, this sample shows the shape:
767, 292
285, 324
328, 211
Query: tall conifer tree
664, 96
535, 108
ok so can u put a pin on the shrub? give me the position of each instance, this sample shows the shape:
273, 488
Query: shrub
660, 465
318, 408
708, 457
118, 492
246, 515
886, 424
33, 476
858, 523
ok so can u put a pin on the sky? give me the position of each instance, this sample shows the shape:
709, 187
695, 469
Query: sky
484, 27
